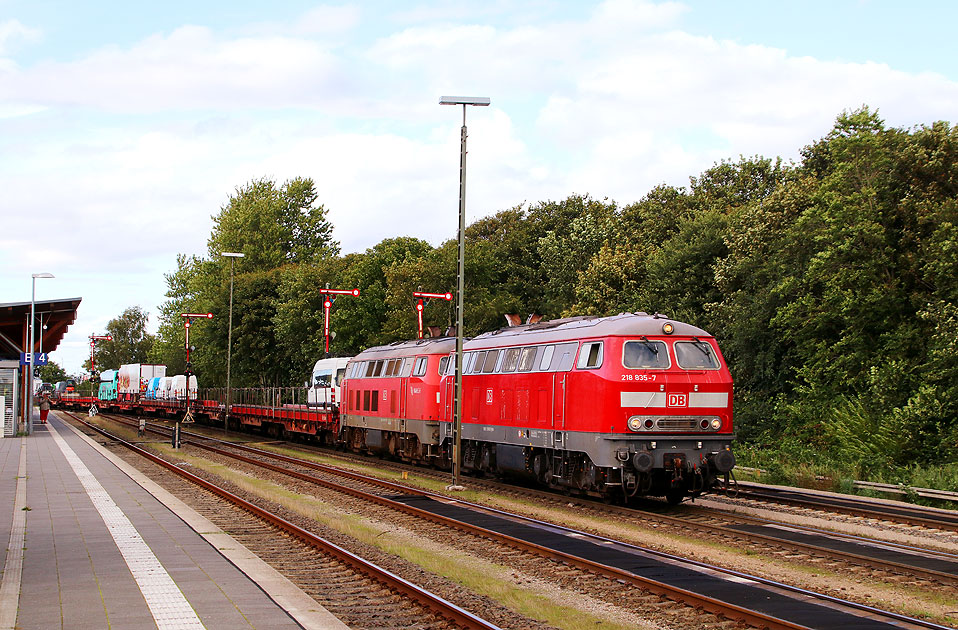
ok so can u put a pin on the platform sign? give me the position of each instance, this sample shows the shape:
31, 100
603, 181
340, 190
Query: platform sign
39, 358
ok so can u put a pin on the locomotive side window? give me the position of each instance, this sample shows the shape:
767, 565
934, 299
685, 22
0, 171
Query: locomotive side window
527, 359
378, 368
645, 354
547, 358
490, 363
406, 369
695, 355
476, 366
420, 366
591, 356
369, 368
443, 364
564, 356
511, 360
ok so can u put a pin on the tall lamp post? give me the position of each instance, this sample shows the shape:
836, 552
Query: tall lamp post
457, 421
229, 341
28, 423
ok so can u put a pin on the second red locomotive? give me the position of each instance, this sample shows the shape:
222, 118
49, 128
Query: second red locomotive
620, 406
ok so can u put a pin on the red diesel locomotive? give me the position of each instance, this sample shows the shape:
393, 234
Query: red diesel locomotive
620, 406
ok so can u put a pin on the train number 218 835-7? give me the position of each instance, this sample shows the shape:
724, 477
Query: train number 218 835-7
638, 377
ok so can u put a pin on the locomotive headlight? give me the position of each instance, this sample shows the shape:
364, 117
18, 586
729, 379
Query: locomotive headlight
668, 328
716, 424
635, 423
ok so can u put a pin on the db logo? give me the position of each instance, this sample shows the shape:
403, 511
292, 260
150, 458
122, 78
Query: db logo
488, 396
677, 400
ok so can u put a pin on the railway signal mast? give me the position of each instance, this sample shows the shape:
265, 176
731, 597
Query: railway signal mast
93, 339
328, 299
423, 299
188, 321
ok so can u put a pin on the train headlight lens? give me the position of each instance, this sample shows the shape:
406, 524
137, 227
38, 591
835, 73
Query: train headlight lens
716, 424
668, 328
635, 423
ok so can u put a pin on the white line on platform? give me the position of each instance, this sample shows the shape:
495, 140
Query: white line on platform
13, 567
170, 609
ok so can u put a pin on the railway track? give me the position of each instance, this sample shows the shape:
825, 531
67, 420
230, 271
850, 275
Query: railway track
931, 518
620, 566
355, 588
931, 567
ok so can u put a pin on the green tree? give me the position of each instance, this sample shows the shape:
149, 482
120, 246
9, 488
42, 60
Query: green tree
51, 372
131, 343
273, 225
187, 289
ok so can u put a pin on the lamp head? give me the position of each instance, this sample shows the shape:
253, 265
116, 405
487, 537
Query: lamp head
464, 100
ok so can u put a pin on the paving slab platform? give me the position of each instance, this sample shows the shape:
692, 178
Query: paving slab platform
86, 541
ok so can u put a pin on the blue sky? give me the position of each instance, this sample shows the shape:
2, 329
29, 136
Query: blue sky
125, 126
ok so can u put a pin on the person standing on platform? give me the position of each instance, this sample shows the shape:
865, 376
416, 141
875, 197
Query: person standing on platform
44, 409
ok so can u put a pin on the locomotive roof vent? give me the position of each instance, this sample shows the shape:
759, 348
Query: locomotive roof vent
512, 319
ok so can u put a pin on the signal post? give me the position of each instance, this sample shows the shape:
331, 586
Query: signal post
188, 417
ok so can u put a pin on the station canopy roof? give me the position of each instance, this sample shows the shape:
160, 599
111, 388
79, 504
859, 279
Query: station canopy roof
56, 315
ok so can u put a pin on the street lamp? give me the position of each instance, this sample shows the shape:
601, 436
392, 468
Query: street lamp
229, 340
28, 424
457, 421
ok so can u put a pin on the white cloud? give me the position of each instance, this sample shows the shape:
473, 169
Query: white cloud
12, 32
327, 19
188, 69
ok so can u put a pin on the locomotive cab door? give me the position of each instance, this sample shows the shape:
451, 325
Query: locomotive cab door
559, 380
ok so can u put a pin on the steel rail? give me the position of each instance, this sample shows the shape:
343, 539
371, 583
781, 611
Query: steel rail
744, 518
760, 619
431, 601
691, 598
757, 537
841, 505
